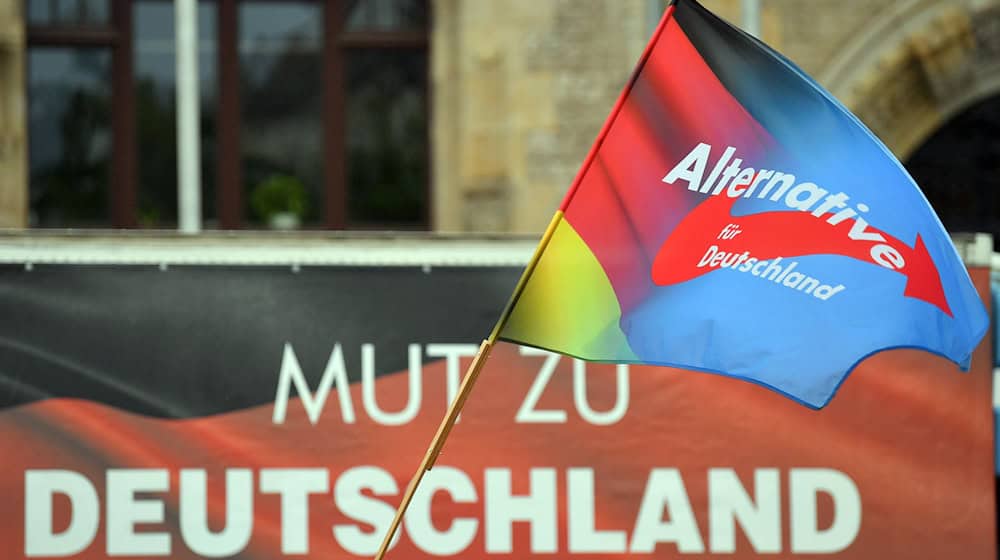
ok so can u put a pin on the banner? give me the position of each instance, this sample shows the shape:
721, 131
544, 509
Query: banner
272, 412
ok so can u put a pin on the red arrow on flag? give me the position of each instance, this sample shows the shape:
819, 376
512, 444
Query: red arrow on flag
769, 235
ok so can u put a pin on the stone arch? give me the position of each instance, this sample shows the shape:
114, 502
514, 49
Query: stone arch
917, 65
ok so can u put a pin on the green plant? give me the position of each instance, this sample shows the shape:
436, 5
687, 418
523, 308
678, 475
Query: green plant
278, 194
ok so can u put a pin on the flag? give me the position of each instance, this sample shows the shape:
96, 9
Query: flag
734, 218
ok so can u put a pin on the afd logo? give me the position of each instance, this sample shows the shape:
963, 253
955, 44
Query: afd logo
825, 224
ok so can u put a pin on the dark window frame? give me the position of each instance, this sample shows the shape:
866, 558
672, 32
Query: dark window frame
230, 203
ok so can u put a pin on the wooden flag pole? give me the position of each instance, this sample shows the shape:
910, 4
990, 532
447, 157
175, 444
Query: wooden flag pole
463, 392
435, 448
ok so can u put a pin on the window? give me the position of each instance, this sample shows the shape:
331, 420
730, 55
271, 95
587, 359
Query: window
70, 113
70, 142
386, 15
68, 12
310, 108
281, 80
385, 77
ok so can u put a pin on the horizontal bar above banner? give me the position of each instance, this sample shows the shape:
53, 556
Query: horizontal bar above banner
314, 248
267, 249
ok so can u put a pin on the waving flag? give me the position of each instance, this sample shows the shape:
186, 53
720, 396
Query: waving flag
734, 218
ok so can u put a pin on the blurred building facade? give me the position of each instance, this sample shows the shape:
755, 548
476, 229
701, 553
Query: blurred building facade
449, 115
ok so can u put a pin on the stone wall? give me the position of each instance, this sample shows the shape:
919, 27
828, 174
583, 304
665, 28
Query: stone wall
521, 87
13, 138
812, 32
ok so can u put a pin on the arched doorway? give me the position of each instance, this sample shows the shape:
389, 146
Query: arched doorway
958, 168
